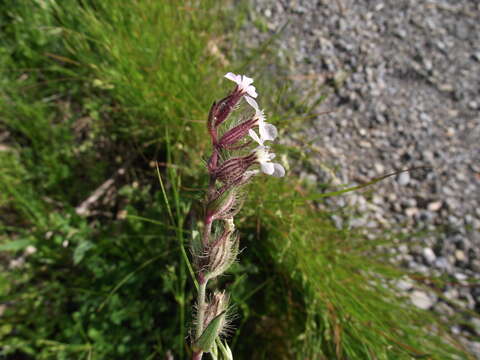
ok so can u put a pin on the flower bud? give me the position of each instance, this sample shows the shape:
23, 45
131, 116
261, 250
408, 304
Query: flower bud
206, 341
237, 133
220, 111
222, 253
234, 168
214, 323
222, 204
217, 305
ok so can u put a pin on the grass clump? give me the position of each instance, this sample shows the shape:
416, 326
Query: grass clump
92, 94
345, 290
84, 101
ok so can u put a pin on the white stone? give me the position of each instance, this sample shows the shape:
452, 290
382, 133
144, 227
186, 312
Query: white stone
403, 179
435, 206
460, 255
451, 294
411, 211
404, 284
403, 249
429, 255
379, 168
421, 300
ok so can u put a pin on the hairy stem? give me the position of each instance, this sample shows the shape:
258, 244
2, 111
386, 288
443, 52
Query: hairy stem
207, 231
202, 282
202, 279
202, 285
201, 303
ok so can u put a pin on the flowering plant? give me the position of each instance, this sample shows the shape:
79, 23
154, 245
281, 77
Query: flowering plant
230, 169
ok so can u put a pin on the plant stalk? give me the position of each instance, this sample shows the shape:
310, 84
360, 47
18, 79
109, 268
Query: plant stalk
202, 285
207, 231
202, 281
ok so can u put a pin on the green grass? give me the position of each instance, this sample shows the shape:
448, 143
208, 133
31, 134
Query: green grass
91, 87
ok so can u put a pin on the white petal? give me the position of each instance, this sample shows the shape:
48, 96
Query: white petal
255, 137
252, 103
246, 81
267, 131
267, 168
251, 91
262, 154
279, 171
261, 115
235, 78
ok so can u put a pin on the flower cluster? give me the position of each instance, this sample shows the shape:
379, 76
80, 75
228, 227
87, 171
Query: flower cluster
239, 152
232, 138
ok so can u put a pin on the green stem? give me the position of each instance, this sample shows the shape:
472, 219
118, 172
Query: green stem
202, 286
202, 280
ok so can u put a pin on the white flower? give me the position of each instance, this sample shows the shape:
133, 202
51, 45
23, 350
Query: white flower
267, 131
264, 157
244, 83
255, 137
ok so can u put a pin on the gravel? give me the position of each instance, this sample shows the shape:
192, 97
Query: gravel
403, 84
421, 300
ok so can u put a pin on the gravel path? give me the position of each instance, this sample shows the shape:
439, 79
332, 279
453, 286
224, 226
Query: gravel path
404, 78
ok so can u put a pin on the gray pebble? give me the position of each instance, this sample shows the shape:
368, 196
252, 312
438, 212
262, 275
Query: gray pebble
402, 82
403, 179
429, 255
421, 300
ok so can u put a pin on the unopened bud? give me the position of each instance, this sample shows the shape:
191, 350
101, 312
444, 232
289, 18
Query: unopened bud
206, 341
220, 110
234, 168
214, 322
222, 205
222, 253
217, 305
237, 133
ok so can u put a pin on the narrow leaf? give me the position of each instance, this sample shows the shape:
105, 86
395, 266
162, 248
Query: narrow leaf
214, 351
225, 350
15, 245
207, 339
81, 250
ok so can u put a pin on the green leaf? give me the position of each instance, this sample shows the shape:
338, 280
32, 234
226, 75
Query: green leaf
207, 339
16, 245
214, 351
225, 350
81, 250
